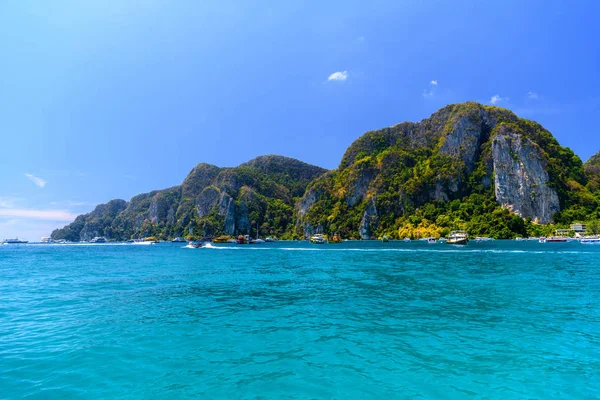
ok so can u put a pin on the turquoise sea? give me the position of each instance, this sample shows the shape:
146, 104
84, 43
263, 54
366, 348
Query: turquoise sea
358, 320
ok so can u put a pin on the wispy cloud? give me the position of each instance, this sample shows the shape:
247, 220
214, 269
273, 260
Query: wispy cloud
532, 95
430, 91
8, 202
496, 99
38, 181
50, 215
338, 76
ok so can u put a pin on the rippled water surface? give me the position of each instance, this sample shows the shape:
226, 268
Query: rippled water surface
500, 320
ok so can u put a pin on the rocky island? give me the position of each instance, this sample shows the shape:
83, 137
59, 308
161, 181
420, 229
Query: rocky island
467, 166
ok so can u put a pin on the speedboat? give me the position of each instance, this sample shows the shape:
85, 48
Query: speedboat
258, 241
46, 239
406, 240
270, 239
98, 239
318, 238
179, 240
458, 237
431, 240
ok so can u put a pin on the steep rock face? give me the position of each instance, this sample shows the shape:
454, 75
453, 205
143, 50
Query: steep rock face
227, 209
520, 177
369, 221
207, 200
419, 167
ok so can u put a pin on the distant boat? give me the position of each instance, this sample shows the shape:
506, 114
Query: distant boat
258, 241
179, 240
442, 240
406, 240
270, 239
318, 238
458, 237
151, 239
46, 239
554, 239
15, 241
431, 240
483, 239
232, 240
98, 239
590, 240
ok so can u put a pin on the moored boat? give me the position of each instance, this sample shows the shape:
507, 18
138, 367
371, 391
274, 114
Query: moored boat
406, 239
590, 240
431, 240
46, 239
556, 239
318, 238
458, 237
98, 239
15, 241
179, 240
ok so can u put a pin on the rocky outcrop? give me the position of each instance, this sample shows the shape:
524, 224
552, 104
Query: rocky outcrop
242, 221
369, 221
227, 209
207, 200
520, 177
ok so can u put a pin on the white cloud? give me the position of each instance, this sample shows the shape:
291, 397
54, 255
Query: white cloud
532, 95
50, 215
430, 92
8, 202
38, 181
338, 76
498, 99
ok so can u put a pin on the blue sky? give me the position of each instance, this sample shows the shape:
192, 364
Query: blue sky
104, 99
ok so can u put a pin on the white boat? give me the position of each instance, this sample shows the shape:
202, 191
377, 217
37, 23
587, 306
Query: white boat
258, 241
318, 238
442, 240
458, 237
270, 239
98, 239
406, 239
46, 239
482, 239
15, 241
179, 240
431, 240
590, 240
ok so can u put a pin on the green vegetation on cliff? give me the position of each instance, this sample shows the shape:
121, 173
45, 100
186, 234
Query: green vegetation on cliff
468, 166
210, 201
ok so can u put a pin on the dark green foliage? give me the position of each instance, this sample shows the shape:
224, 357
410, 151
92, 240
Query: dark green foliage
267, 186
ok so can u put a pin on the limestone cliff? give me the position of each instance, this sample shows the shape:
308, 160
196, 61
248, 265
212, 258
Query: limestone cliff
428, 169
210, 201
